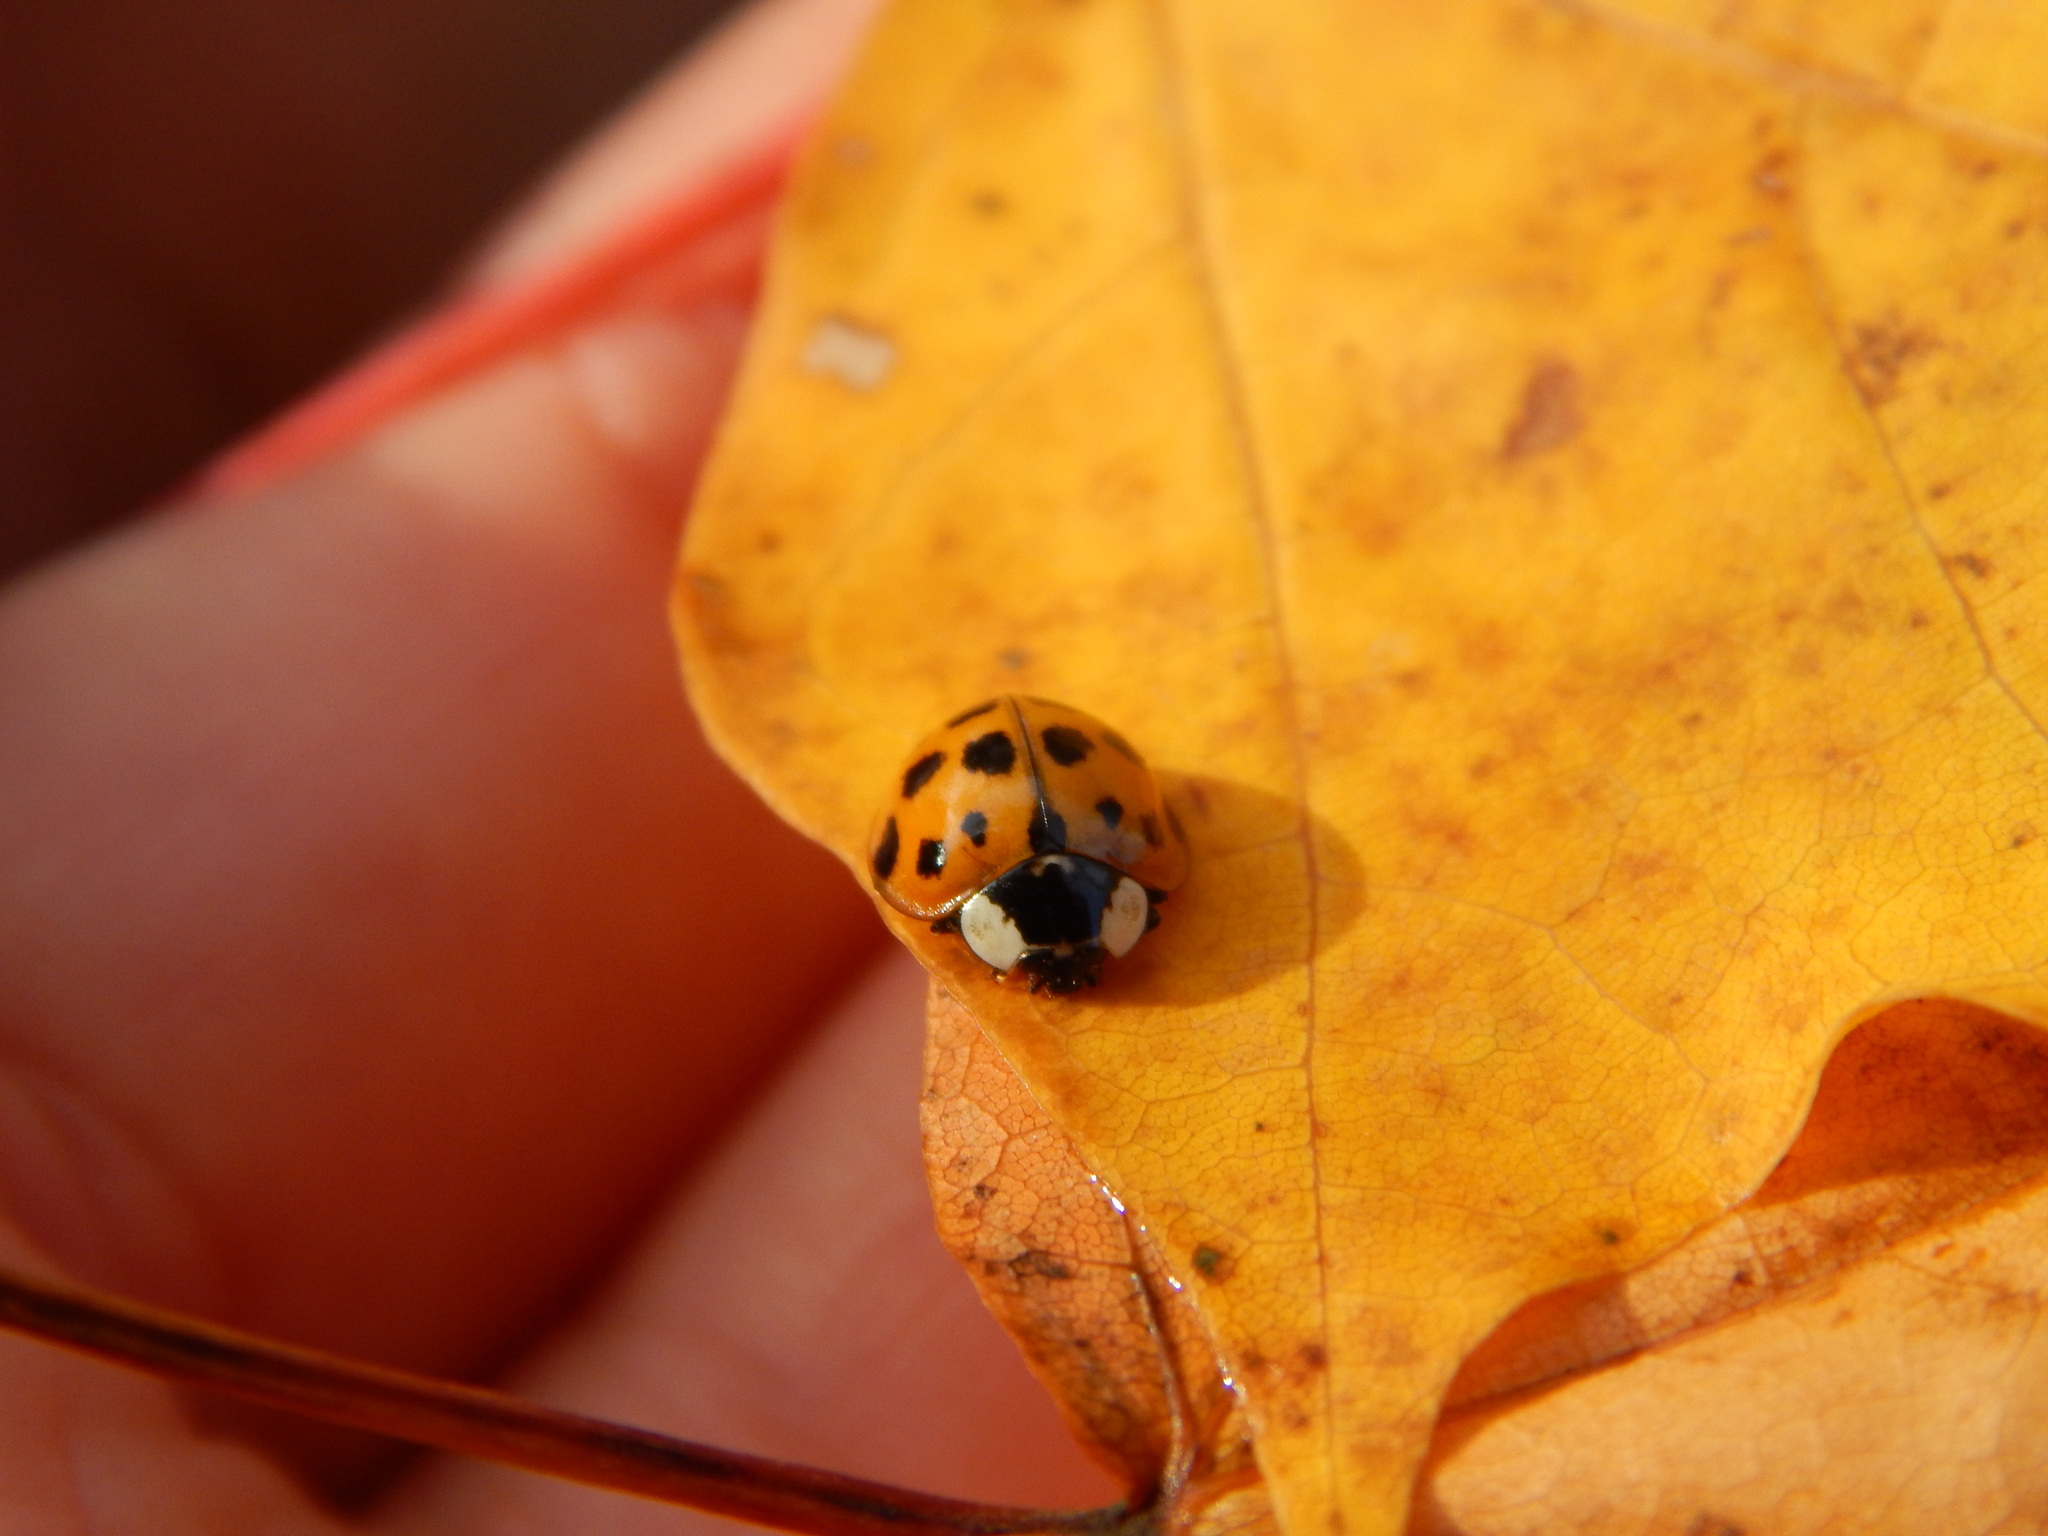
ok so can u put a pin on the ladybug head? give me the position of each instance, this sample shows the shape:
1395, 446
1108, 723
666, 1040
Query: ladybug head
1053, 918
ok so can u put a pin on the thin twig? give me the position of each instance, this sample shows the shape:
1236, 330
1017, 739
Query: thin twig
494, 1426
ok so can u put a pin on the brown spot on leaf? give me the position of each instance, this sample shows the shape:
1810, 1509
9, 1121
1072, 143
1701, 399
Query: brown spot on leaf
1971, 564
1880, 351
1213, 1264
1771, 174
1387, 1346
710, 602
1484, 647
1550, 415
1613, 1234
1036, 1261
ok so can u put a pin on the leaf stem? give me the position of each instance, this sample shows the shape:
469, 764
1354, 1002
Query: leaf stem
494, 1426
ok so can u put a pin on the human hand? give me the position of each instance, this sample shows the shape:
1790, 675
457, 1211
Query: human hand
391, 967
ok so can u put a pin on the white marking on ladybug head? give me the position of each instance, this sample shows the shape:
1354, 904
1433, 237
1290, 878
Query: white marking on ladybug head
990, 933
1123, 920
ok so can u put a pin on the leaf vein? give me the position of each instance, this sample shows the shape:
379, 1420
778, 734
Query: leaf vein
869, 523
1801, 81
1198, 216
1825, 308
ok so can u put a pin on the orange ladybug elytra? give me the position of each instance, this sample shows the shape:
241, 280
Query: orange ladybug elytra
1036, 833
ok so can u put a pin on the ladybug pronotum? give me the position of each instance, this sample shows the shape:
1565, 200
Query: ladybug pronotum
1035, 833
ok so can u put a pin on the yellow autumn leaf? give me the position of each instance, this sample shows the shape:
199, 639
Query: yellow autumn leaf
1550, 486
1855, 1348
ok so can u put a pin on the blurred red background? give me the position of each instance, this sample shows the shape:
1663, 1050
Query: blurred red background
206, 208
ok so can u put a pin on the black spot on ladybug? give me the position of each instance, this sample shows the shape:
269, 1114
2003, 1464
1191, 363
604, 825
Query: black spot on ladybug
1110, 809
1065, 745
994, 753
966, 715
1056, 902
1123, 746
1048, 831
974, 826
1149, 825
885, 851
919, 773
931, 857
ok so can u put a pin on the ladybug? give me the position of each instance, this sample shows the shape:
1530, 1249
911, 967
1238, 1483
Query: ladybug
1033, 831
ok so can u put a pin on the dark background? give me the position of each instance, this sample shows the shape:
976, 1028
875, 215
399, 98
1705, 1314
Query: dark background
207, 205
